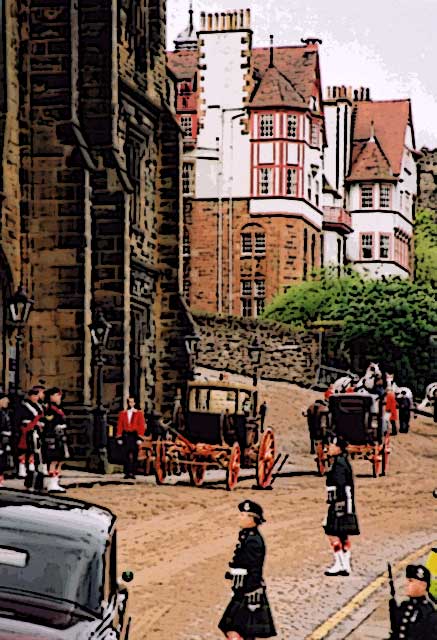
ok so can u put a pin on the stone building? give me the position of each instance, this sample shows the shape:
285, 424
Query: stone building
90, 208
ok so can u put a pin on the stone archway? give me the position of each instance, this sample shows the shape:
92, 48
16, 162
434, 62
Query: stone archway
5, 292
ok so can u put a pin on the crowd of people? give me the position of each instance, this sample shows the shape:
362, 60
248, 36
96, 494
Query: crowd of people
33, 438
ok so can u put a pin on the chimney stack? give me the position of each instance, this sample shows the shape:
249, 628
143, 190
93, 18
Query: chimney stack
225, 21
271, 52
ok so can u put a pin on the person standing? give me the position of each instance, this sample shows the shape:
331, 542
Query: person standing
262, 413
404, 406
248, 614
415, 618
30, 414
131, 427
54, 439
341, 521
6, 459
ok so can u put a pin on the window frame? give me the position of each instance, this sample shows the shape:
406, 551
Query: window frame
269, 126
262, 183
388, 196
189, 118
362, 197
371, 235
293, 170
289, 126
246, 235
188, 179
388, 248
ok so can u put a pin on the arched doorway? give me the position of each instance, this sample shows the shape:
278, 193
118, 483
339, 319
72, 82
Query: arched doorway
5, 292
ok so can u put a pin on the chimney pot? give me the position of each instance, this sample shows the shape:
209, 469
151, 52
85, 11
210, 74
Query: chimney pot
248, 18
209, 25
202, 20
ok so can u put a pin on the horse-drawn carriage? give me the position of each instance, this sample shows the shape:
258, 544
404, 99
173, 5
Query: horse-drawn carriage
216, 428
358, 419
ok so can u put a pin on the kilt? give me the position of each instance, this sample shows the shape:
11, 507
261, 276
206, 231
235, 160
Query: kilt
341, 525
54, 446
238, 617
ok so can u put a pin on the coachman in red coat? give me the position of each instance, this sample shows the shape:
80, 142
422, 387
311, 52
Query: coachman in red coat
130, 429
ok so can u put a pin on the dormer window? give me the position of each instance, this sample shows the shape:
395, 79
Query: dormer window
266, 125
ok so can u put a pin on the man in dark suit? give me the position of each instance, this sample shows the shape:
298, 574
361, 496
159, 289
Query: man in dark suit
415, 618
130, 431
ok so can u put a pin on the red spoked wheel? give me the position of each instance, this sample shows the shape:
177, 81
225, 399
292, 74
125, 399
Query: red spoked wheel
320, 460
266, 459
386, 455
376, 462
160, 462
197, 474
233, 468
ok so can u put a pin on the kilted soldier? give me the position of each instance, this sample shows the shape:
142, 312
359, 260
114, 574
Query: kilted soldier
248, 615
54, 439
131, 427
341, 521
31, 412
415, 618
404, 406
6, 457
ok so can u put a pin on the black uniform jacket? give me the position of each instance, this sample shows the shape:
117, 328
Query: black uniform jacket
249, 554
416, 619
341, 520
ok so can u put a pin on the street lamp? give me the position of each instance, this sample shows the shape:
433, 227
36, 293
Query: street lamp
192, 348
99, 330
20, 306
255, 353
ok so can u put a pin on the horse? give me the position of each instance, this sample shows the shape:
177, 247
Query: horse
429, 399
366, 383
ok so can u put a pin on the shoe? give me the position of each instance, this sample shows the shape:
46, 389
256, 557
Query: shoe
337, 568
53, 485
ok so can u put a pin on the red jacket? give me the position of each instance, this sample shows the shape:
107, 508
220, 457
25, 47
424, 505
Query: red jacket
137, 423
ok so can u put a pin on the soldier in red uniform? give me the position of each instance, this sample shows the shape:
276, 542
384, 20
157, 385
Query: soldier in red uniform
130, 430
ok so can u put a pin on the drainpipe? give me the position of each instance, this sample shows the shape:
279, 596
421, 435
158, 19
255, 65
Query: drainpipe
231, 211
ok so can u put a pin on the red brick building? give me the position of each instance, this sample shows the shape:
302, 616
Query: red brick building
252, 176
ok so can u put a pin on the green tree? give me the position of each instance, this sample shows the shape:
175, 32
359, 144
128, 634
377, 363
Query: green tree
425, 246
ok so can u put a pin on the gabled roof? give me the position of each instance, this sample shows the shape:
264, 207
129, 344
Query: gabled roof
387, 122
276, 90
298, 65
183, 64
369, 162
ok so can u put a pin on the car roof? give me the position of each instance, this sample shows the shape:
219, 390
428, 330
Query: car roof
38, 512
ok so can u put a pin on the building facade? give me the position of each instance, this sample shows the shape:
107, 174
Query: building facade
273, 173
90, 211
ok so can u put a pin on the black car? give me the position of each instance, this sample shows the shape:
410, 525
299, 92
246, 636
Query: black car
58, 570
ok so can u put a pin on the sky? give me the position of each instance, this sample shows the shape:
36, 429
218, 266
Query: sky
389, 46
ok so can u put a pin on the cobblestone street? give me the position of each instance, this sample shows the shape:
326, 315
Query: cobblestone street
178, 539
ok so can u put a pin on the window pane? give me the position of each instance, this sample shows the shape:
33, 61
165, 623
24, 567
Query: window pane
246, 243
260, 288
260, 243
260, 304
384, 196
265, 181
367, 197
291, 186
384, 246
246, 287
291, 126
187, 178
367, 246
187, 126
246, 307
266, 126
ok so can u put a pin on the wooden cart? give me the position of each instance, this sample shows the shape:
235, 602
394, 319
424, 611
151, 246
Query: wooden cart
220, 430
357, 418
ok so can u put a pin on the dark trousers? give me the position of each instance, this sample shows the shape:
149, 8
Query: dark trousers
131, 452
404, 421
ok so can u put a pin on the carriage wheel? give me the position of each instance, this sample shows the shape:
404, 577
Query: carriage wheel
197, 474
233, 467
160, 463
376, 463
266, 459
386, 455
320, 460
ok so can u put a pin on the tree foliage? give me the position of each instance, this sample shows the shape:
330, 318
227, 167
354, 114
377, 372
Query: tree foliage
390, 319
425, 246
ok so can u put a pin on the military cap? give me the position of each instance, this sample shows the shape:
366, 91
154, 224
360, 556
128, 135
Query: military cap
252, 509
418, 572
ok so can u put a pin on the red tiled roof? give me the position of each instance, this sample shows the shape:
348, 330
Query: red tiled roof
276, 90
299, 65
183, 63
369, 162
390, 120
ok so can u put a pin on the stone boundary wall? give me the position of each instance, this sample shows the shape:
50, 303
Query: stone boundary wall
224, 342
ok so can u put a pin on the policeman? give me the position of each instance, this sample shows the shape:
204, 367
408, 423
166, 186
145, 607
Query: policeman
341, 520
415, 618
6, 458
248, 615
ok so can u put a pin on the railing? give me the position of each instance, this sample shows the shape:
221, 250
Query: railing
337, 215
